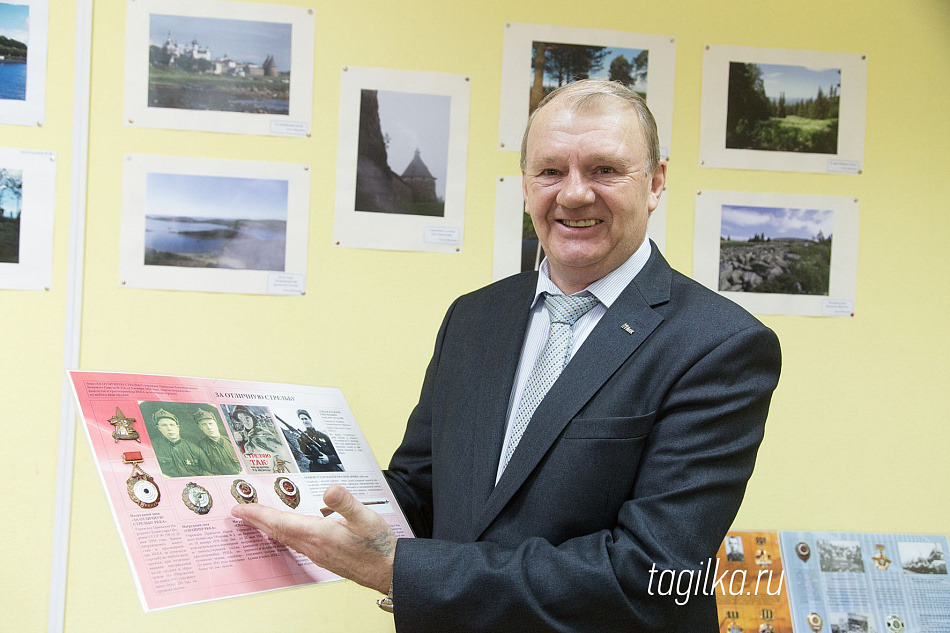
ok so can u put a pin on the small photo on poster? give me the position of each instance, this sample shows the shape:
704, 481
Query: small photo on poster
213, 225
401, 157
260, 444
23, 38
189, 439
308, 438
27, 190
922, 558
783, 110
539, 58
219, 66
840, 556
778, 254
734, 549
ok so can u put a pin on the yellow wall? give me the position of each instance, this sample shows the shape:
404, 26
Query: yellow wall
857, 437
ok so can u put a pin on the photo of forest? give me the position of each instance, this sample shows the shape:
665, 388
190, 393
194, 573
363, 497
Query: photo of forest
783, 108
554, 64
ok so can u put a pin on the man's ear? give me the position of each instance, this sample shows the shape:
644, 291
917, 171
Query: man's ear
656, 185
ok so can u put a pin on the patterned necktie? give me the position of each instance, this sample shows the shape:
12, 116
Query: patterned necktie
564, 312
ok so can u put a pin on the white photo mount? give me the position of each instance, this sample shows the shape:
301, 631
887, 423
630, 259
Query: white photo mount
842, 281
400, 231
133, 273
139, 113
32, 109
34, 268
713, 152
516, 67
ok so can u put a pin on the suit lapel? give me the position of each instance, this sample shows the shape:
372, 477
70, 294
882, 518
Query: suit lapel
504, 351
628, 322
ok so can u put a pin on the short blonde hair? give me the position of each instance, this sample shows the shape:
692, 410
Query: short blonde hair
583, 93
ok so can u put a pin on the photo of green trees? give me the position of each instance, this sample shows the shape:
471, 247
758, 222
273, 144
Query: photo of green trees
775, 107
554, 64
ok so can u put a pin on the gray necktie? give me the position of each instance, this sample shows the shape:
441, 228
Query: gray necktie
564, 312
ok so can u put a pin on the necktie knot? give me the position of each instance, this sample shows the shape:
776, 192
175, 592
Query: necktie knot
568, 309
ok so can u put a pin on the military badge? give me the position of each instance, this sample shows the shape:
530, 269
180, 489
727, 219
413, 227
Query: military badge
803, 551
243, 492
197, 498
123, 427
894, 624
880, 559
287, 491
762, 556
814, 621
140, 485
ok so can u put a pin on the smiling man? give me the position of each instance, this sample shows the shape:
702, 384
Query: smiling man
579, 428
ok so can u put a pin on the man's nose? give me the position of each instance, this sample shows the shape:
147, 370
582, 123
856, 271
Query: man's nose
576, 191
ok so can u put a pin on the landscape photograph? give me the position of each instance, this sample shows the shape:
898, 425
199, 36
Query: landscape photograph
200, 63
402, 153
775, 107
775, 250
11, 200
14, 38
215, 222
554, 64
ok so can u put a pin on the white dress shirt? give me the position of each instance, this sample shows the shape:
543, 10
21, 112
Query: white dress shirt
606, 289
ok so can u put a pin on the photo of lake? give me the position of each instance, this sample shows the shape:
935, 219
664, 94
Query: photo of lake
14, 36
215, 222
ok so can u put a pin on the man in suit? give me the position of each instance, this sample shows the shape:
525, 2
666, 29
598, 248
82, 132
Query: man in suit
629, 471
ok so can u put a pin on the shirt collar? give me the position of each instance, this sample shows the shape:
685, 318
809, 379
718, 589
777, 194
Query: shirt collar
608, 287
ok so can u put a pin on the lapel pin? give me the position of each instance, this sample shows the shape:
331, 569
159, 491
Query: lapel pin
626, 328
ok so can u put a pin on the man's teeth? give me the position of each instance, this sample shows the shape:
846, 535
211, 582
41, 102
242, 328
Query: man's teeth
579, 223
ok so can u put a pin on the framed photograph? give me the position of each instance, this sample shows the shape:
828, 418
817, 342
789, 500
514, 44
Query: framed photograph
27, 196
538, 58
23, 38
778, 253
214, 225
783, 110
218, 66
516, 246
401, 156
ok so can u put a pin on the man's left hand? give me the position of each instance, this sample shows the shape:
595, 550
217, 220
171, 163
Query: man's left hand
360, 547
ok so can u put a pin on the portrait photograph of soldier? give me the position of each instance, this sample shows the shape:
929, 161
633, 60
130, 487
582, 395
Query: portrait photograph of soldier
312, 447
177, 439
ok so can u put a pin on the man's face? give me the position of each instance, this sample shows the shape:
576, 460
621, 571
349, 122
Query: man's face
306, 420
209, 427
168, 428
586, 188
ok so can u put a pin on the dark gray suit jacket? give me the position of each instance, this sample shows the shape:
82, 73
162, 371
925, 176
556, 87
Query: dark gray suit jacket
638, 456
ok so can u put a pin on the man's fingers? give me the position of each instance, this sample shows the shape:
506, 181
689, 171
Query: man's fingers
283, 527
257, 516
342, 501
